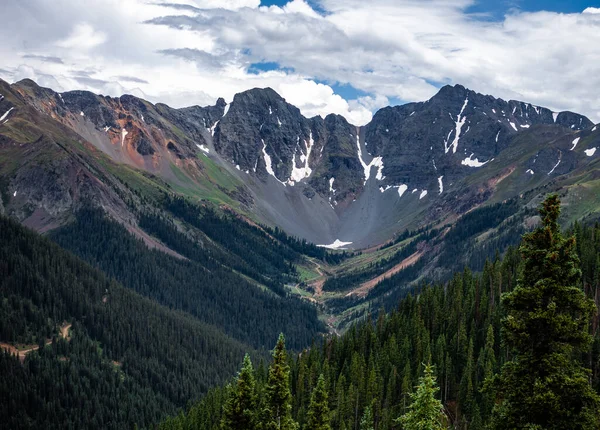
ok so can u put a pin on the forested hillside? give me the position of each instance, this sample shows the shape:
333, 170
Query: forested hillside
244, 296
125, 360
370, 371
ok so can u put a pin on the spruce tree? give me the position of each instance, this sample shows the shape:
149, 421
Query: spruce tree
426, 411
318, 409
546, 327
277, 412
239, 411
366, 422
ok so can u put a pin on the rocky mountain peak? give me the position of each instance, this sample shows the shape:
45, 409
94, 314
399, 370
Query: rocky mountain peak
292, 168
221, 103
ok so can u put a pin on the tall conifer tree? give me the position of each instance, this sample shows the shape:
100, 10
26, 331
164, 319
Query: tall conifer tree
239, 411
318, 410
277, 413
366, 422
548, 316
426, 411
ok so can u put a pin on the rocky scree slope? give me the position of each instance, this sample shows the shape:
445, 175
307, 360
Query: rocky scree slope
324, 179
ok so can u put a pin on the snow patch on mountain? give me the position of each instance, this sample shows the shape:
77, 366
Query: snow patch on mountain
269, 163
460, 122
556, 165
402, 189
299, 173
123, 134
203, 148
423, 194
212, 129
338, 244
473, 163
375, 162
575, 142
441, 183
529, 171
590, 152
6, 114
226, 109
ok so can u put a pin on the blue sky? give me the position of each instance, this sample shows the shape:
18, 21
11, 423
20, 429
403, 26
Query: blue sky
498, 8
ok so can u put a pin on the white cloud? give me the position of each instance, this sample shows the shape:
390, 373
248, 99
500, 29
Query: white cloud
317, 99
387, 48
82, 37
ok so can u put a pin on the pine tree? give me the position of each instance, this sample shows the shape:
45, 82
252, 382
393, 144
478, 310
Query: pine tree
239, 411
426, 411
406, 384
487, 366
366, 422
547, 321
318, 410
277, 413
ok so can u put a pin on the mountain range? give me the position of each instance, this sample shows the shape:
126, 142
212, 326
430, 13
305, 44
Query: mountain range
324, 180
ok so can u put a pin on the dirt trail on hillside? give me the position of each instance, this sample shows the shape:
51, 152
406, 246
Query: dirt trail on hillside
22, 353
492, 183
318, 283
365, 287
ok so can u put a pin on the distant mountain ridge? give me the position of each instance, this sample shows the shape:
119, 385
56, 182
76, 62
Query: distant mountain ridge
325, 179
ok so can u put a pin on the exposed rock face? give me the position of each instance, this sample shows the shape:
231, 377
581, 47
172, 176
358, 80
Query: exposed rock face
448, 136
258, 122
263, 134
339, 174
322, 179
146, 133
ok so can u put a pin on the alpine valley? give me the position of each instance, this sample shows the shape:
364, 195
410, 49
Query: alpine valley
144, 249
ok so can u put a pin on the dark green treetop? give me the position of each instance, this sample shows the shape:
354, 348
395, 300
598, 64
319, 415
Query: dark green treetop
277, 412
426, 411
547, 321
239, 411
318, 410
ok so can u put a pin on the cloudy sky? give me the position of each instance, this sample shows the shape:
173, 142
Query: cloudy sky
343, 56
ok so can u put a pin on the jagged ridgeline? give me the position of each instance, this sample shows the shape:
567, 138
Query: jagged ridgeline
371, 371
320, 179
